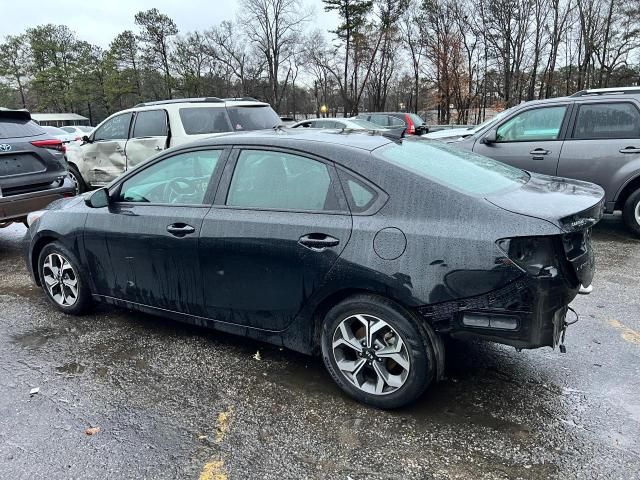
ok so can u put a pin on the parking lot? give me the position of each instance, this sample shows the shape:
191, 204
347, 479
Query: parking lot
175, 401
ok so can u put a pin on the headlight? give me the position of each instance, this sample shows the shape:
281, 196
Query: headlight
33, 216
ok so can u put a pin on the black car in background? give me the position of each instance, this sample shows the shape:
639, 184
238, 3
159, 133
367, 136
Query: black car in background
33, 171
363, 248
412, 121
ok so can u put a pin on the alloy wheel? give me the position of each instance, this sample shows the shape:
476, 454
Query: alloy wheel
60, 280
637, 213
75, 181
371, 354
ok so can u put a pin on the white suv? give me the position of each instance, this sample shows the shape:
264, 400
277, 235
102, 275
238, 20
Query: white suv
131, 136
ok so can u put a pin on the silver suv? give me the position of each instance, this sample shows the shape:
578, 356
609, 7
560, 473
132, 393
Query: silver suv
593, 135
131, 136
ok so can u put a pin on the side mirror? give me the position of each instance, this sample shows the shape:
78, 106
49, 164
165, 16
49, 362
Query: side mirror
98, 199
86, 139
490, 137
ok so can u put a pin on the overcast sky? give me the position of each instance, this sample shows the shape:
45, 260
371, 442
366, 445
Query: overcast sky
98, 21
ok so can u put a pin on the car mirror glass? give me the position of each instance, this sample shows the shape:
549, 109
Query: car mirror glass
98, 199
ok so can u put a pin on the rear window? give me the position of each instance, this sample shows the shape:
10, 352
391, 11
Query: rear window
198, 121
416, 119
465, 171
14, 128
253, 117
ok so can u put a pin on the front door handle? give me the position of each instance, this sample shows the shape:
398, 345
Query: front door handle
539, 151
180, 229
158, 148
630, 150
318, 242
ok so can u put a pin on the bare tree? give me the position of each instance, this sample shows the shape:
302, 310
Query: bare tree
274, 27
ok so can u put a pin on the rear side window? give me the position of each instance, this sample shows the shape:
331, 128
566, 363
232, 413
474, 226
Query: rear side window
360, 196
607, 120
533, 125
15, 128
253, 117
150, 124
282, 181
465, 171
198, 121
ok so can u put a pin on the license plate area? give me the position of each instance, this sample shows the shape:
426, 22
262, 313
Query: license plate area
20, 164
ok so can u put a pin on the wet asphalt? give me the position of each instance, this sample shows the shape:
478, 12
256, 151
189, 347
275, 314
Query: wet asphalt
173, 401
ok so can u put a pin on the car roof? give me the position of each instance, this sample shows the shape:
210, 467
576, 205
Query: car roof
203, 102
286, 137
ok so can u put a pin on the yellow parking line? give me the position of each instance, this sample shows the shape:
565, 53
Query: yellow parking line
214, 469
222, 425
628, 334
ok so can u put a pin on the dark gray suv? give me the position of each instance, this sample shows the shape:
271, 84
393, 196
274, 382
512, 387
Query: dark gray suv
593, 135
33, 169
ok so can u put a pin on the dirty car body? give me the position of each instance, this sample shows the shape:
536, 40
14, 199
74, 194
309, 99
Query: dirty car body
282, 235
501, 264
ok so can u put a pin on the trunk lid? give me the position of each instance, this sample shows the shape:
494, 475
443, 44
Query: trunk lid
569, 204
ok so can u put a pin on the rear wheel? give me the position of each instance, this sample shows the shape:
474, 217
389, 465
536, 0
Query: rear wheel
63, 279
377, 352
631, 212
76, 178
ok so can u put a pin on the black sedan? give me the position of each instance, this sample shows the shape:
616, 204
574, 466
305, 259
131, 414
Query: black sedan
365, 249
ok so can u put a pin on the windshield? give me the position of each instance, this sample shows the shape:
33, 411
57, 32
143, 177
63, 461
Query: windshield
465, 171
257, 117
488, 122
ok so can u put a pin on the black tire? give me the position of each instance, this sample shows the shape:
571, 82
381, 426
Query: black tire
77, 179
414, 335
83, 301
631, 213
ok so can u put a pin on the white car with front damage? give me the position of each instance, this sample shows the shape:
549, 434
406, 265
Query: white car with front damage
128, 138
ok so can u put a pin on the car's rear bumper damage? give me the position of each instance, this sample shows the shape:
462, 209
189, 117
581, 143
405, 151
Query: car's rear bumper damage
524, 314
15, 208
529, 312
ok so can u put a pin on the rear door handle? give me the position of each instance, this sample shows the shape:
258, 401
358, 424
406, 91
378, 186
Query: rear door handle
630, 150
318, 242
180, 229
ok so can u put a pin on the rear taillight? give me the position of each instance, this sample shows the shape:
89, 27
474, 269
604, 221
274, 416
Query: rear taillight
50, 144
411, 128
534, 255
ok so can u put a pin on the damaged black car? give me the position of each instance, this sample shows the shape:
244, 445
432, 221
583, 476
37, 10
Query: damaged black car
364, 249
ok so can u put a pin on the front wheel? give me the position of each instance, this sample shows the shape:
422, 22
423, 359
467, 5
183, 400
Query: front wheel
631, 212
77, 180
377, 352
63, 280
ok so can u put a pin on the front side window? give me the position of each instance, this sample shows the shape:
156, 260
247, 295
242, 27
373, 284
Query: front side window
282, 181
199, 121
607, 120
151, 123
117, 128
533, 125
180, 179
459, 169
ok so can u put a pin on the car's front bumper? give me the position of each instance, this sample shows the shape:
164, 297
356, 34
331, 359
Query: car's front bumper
17, 207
